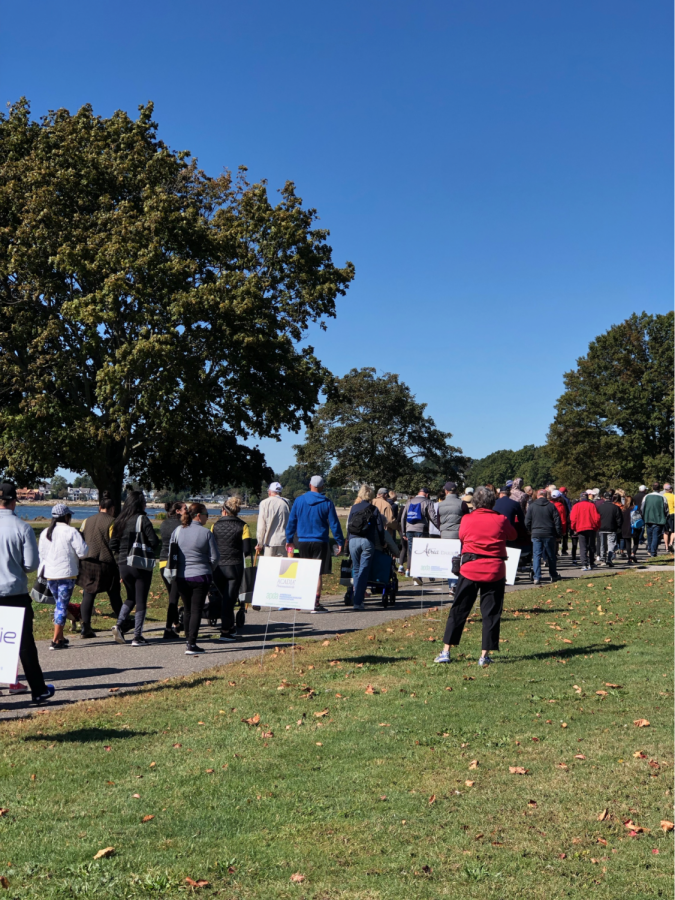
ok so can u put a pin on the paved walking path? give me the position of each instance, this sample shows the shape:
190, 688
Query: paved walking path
90, 669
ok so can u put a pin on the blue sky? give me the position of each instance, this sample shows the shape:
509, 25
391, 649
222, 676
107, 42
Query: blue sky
499, 173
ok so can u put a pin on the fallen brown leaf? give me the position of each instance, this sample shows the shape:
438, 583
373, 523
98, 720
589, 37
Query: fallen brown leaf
297, 878
469, 783
448, 688
319, 744
577, 688
325, 643
579, 756
324, 712
532, 803
4, 882
562, 766
479, 836
136, 796
3, 811
616, 686
517, 770
202, 882
232, 683
113, 690
641, 723
210, 771
637, 829
105, 853
603, 816
147, 818
602, 841
370, 689
601, 693
474, 764
432, 799
666, 825
253, 720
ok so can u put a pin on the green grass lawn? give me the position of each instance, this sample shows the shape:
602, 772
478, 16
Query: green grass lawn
357, 769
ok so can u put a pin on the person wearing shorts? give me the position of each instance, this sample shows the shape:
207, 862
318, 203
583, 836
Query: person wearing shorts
312, 515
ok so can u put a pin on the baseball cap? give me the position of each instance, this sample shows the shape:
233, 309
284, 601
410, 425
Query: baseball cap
382, 492
555, 493
509, 484
61, 510
505, 489
7, 491
449, 486
425, 490
316, 481
643, 487
562, 490
469, 490
276, 487
595, 491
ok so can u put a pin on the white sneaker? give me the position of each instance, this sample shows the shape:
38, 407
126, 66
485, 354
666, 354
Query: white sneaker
118, 635
417, 582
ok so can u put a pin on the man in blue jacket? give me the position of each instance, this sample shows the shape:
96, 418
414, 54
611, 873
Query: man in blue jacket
311, 516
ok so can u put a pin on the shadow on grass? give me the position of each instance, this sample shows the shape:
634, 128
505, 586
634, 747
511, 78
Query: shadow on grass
374, 660
568, 652
89, 735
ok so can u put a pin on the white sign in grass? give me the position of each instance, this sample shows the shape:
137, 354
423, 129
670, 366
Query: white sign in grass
432, 557
11, 625
512, 565
290, 583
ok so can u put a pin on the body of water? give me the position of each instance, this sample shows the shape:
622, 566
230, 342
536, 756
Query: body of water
28, 512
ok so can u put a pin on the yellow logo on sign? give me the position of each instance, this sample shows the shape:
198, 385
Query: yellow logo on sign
288, 568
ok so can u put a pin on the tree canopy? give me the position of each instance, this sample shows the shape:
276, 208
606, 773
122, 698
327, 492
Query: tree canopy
371, 429
614, 422
150, 314
533, 464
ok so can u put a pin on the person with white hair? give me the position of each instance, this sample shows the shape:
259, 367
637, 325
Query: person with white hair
467, 497
272, 520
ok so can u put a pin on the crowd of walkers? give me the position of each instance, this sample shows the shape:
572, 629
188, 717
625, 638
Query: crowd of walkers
198, 563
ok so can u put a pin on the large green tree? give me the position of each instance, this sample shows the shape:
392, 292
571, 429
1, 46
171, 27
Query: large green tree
531, 463
371, 429
149, 314
614, 423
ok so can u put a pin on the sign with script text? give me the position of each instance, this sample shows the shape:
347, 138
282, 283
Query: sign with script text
11, 625
512, 564
290, 583
432, 557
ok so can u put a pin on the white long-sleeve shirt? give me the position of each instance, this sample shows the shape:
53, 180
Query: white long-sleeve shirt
272, 521
60, 557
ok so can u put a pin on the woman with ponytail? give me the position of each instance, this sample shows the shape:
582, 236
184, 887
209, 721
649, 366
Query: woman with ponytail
137, 581
99, 573
234, 541
61, 549
197, 558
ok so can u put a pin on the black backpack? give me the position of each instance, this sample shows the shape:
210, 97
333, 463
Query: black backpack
359, 522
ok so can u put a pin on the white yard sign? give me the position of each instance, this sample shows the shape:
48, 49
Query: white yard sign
290, 583
11, 625
512, 565
432, 557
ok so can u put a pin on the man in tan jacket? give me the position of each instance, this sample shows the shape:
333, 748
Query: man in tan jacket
272, 520
384, 506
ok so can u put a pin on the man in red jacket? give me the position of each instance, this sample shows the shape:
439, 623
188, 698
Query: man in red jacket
585, 520
483, 535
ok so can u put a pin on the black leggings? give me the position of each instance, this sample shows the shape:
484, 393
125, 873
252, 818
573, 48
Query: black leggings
193, 594
87, 607
228, 581
137, 582
491, 605
172, 608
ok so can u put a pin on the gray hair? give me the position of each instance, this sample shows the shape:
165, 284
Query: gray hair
483, 498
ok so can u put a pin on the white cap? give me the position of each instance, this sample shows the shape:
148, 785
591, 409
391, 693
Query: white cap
469, 490
382, 492
643, 487
595, 491
555, 493
276, 487
316, 481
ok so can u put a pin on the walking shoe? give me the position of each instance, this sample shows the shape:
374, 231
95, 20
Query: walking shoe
48, 694
18, 688
407, 573
443, 657
170, 635
417, 582
58, 645
485, 661
401, 570
574, 562
536, 583
194, 650
556, 578
87, 632
360, 608
228, 636
118, 634
609, 564
585, 568
139, 641
319, 609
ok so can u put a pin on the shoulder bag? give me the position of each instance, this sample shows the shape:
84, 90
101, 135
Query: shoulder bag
140, 555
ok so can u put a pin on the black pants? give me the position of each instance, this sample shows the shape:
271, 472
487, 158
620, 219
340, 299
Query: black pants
27, 650
193, 594
87, 607
172, 608
587, 547
137, 583
228, 581
491, 605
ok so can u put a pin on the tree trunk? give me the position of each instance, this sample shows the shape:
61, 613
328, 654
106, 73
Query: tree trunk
109, 474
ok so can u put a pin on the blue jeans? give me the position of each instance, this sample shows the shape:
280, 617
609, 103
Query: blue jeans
361, 551
544, 547
654, 535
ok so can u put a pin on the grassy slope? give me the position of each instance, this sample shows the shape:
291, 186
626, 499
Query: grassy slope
369, 800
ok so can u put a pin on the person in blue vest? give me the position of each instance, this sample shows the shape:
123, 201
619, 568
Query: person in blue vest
312, 515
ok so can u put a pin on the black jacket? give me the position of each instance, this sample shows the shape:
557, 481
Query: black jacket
121, 544
233, 537
166, 529
542, 519
611, 520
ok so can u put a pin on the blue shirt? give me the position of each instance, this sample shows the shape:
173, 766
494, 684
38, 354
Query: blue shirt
311, 516
18, 554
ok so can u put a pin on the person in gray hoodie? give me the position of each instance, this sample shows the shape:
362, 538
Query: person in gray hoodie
450, 512
198, 556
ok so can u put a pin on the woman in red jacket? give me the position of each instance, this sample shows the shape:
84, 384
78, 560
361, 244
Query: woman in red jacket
561, 506
483, 535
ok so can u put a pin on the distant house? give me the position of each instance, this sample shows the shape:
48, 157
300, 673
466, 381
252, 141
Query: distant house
82, 494
29, 495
